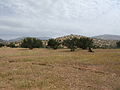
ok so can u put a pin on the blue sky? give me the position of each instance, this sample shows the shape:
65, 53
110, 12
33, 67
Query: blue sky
52, 18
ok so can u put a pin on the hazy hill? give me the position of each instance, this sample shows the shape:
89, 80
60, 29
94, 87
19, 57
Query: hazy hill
21, 38
2, 41
108, 37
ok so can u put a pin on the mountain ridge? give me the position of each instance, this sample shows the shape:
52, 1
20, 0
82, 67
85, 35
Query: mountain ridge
107, 37
21, 38
103, 37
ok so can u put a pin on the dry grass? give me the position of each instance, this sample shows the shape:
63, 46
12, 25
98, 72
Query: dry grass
42, 69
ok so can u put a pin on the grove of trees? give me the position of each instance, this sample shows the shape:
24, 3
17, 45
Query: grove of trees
53, 43
71, 43
31, 43
74, 43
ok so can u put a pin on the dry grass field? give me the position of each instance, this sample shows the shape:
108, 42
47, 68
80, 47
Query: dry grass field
44, 69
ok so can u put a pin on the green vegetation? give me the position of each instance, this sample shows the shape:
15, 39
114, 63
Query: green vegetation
52, 43
63, 42
1, 45
85, 43
71, 43
118, 44
31, 43
74, 43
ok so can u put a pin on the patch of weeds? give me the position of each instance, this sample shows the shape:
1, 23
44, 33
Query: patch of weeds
27, 84
24, 83
118, 88
2, 56
3, 64
42, 84
26, 60
5, 75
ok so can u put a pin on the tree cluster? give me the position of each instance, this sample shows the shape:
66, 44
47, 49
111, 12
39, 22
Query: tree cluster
74, 43
53, 43
31, 43
71, 43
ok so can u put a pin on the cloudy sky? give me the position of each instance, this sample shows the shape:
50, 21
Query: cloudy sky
52, 18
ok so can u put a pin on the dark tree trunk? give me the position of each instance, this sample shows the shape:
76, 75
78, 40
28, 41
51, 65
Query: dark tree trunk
31, 48
72, 50
90, 50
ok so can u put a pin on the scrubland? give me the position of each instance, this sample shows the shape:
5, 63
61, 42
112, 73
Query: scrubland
47, 69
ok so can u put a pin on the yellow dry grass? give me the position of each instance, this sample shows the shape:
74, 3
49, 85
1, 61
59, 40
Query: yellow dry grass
46, 69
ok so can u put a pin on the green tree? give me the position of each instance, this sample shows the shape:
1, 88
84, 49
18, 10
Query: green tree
90, 45
71, 43
118, 44
1, 45
31, 43
85, 43
53, 43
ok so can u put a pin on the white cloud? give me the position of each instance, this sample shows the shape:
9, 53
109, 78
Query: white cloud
88, 17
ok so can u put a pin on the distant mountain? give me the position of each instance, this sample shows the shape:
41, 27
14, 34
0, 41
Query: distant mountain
3, 41
21, 38
108, 37
16, 39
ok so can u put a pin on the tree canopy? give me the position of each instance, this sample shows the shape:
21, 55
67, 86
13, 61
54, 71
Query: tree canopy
71, 43
74, 43
31, 43
118, 44
53, 43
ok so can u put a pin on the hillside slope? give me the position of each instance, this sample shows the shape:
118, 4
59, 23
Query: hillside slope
101, 43
2, 41
21, 38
